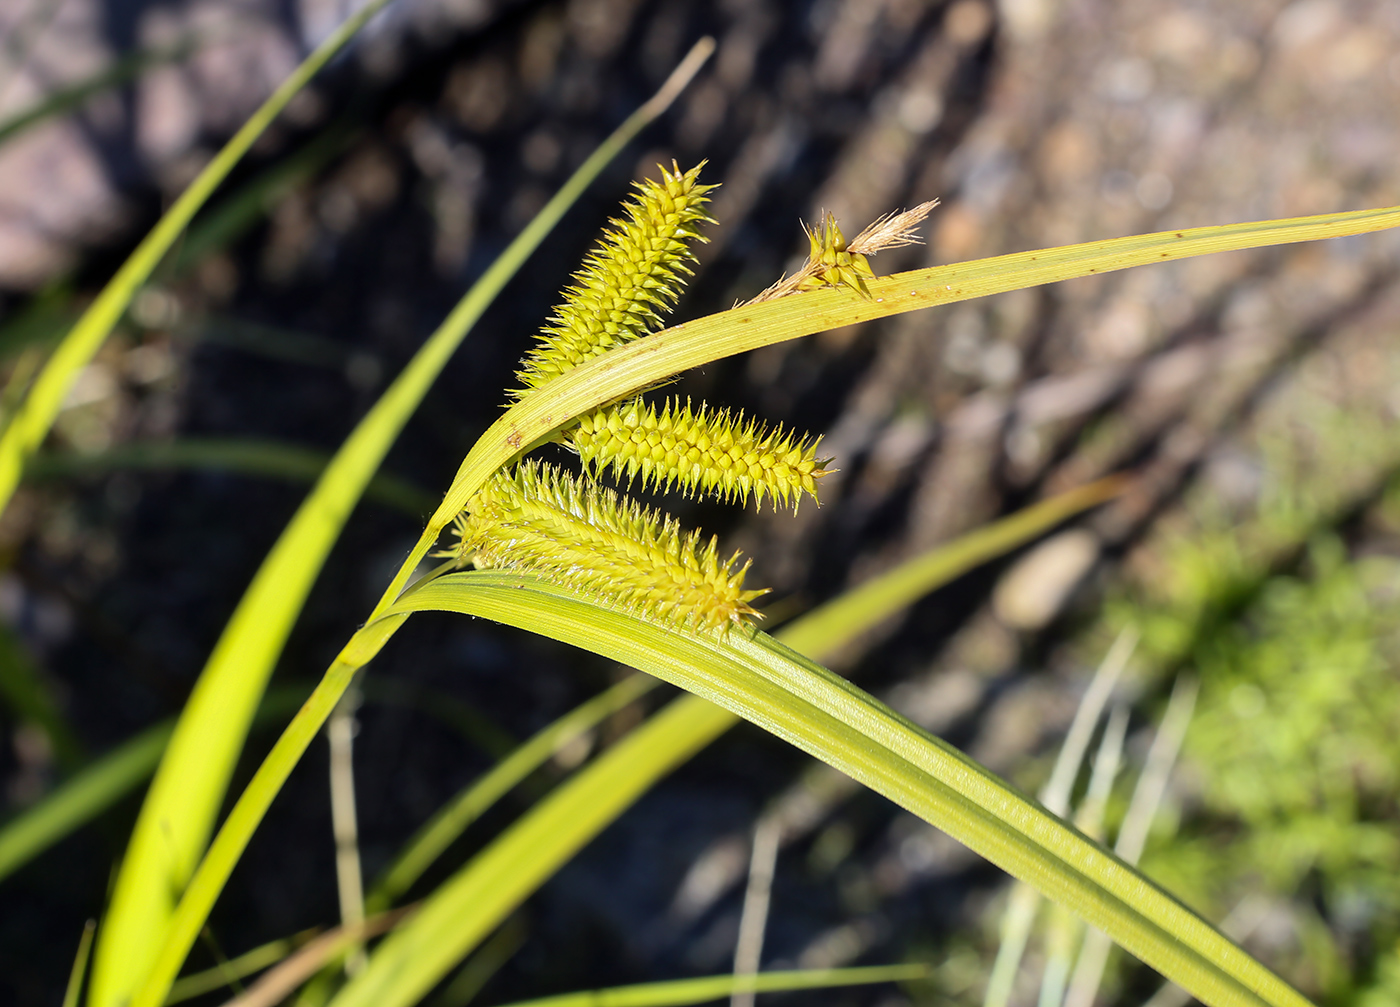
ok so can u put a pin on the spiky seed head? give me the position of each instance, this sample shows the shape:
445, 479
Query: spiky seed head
628, 281
573, 532
703, 451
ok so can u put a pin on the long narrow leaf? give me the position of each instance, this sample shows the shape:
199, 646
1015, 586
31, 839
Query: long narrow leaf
1024, 903
603, 790
178, 813
774, 687
243, 658
80, 963
678, 992
832, 625
26, 694
68, 98
1132, 836
241, 209
821, 631
226, 972
643, 362
473, 976
244, 456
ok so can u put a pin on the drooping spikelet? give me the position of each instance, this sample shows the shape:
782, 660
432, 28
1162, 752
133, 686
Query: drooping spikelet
628, 281
832, 262
541, 519
704, 451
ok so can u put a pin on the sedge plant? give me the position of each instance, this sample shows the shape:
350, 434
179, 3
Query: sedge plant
557, 552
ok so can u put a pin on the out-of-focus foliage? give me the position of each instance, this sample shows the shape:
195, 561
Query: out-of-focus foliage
1285, 826
1296, 752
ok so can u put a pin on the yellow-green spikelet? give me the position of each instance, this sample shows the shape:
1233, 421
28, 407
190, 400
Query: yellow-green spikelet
627, 281
571, 531
831, 263
704, 451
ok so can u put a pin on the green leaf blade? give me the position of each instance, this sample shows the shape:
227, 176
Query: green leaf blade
462, 912
654, 358
776, 688
247, 456
558, 827
679, 992
819, 632
165, 846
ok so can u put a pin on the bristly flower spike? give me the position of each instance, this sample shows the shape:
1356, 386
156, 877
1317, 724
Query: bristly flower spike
537, 518
703, 451
628, 280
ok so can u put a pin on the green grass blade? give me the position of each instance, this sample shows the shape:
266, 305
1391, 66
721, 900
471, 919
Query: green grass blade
451, 711
642, 363
79, 800
444, 827
268, 341
277, 983
224, 222
596, 796
480, 967
216, 978
66, 99
772, 686
535, 847
74, 992
214, 723
679, 992
32, 421
39, 324
246, 457
1024, 903
1147, 797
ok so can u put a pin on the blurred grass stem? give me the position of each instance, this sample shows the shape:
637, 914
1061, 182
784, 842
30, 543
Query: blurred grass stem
74, 991
1024, 902
340, 735
1132, 835
748, 949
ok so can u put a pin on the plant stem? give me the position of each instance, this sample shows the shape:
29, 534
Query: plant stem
340, 735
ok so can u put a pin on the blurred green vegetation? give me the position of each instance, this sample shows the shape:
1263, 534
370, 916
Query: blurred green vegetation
1295, 757
1286, 823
